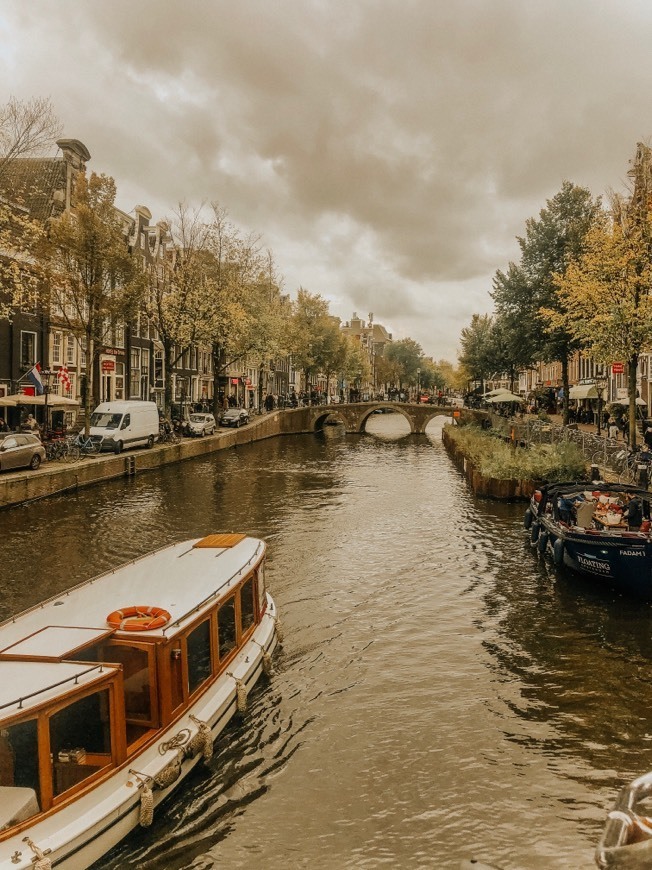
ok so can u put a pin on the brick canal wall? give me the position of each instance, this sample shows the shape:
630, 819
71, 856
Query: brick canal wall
57, 477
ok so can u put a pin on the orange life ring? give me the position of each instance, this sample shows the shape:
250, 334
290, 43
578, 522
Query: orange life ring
138, 618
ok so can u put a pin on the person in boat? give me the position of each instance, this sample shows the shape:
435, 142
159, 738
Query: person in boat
566, 509
633, 514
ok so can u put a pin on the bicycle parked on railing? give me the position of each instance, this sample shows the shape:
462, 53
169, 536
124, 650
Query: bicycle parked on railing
82, 447
56, 450
166, 434
632, 466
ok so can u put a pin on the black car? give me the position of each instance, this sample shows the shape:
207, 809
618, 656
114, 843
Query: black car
235, 417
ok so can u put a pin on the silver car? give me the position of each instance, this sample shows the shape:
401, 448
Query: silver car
201, 424
21, 450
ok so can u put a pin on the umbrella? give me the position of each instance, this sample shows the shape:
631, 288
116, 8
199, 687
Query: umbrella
60, 401
625, 401
496, 392
506, 397
24, 399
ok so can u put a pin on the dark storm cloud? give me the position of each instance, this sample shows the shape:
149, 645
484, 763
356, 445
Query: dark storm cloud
388, 151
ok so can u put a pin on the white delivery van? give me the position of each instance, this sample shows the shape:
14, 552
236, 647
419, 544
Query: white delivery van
125, 424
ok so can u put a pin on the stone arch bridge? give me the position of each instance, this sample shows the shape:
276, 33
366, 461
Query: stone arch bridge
355, 415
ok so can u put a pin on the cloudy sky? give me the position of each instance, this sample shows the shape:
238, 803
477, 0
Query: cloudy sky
388, 151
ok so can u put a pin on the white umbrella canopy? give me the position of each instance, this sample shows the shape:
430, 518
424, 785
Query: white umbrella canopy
61, 402
24, 399
496, 392
505, 397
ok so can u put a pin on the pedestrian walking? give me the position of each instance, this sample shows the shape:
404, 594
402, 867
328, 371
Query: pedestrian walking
613, 428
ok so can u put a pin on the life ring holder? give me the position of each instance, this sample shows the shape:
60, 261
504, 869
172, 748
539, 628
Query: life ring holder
138, 618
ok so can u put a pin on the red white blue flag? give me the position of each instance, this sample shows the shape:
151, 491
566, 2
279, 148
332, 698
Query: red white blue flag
35, 377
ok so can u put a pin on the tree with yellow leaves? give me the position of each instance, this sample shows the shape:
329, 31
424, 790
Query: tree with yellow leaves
604, 297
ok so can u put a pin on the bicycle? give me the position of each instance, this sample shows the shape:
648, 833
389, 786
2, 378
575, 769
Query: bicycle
82, 447
629, 465
167, 435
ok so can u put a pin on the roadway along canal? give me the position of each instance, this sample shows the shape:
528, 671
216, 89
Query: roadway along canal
441, 694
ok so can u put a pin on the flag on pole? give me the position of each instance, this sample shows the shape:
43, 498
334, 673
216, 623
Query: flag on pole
35, 377
63, 377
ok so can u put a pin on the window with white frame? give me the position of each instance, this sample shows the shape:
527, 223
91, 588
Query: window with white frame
158, 368
119, 335
70, 350
82, 352
119, 380
134, 375
57, 341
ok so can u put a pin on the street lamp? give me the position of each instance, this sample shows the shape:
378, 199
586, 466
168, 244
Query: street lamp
46, 375
418, 386
601, 384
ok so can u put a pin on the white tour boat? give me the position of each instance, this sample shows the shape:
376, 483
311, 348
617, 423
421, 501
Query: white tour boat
112, 691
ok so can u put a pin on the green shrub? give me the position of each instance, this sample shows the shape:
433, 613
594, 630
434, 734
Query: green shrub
494, 457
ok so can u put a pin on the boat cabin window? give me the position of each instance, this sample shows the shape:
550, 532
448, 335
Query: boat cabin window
80, 740
199, 655
226, 630
19, 774
247, 604
138, 670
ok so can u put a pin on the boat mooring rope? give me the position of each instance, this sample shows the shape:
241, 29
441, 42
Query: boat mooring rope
42, 862
179, 739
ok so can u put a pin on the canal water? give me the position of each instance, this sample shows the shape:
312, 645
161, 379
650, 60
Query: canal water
441, 692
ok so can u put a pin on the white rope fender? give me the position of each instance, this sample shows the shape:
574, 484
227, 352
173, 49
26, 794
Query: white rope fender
146, 815
240, 693
170, 772
279, 629
203, 739
268, 667
42, 862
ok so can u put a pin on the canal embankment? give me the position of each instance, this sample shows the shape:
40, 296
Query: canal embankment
54, 478
510, 489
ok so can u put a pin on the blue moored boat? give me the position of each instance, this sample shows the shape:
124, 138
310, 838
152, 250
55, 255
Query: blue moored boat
600, 530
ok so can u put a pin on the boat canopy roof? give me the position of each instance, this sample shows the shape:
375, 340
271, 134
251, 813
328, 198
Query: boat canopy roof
27, 685
570, 488
182, 579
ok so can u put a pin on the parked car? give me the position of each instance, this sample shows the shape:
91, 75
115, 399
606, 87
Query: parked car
201, 424
21, 450
234, 417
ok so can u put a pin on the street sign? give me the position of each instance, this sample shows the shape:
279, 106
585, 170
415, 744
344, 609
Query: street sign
617, 368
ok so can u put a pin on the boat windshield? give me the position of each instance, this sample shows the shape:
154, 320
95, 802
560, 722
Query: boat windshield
106, 421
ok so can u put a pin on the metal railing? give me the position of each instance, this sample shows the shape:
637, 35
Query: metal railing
598, 450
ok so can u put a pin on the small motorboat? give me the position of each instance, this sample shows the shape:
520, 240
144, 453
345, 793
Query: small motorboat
111, 692
600, 530
626, 840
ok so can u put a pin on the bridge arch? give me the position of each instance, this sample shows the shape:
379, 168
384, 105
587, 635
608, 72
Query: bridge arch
355, 415
395, 407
